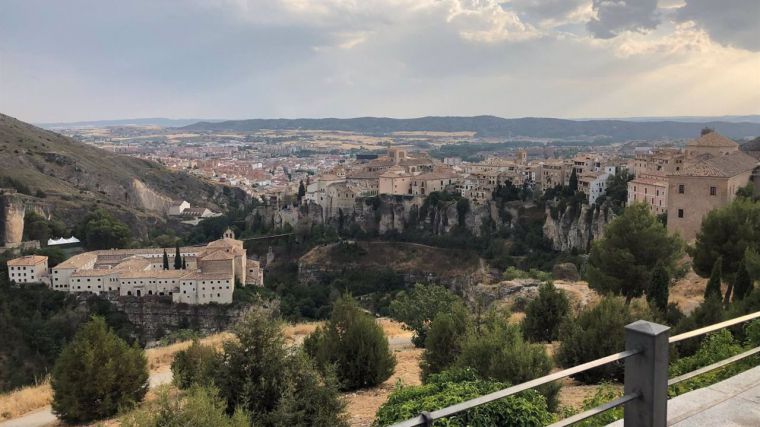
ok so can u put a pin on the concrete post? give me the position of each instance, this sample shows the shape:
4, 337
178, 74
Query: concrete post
647, 374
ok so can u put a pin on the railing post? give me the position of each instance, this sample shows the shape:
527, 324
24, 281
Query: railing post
647, 374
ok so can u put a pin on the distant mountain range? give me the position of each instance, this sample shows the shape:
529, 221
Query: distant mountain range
151, 121
491, 126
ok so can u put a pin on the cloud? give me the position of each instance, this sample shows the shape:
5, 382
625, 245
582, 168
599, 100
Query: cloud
729, 22
616, 16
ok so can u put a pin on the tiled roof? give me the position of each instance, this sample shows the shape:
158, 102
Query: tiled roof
28, 260
77, 261
719, 166
712, 139
208, 276
220, 255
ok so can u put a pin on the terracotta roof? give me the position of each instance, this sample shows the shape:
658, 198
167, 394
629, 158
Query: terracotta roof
712, 139
28, 260
208, 276
363, 175
77, 261
220, 255
719, 166
155, 274
436, 175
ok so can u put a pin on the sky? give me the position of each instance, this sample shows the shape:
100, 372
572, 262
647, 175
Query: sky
81, 60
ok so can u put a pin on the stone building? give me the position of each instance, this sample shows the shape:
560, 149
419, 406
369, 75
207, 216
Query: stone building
651, 169
703, 184
210, 276
28, 269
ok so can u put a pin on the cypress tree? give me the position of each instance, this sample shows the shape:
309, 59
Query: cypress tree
184, 263
166, 260
743, 283
177, 259
301, 191
573, 181
713, 285
657, 294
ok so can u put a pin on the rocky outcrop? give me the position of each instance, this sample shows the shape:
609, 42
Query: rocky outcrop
12, 210
576, 227
487, 294
144, 197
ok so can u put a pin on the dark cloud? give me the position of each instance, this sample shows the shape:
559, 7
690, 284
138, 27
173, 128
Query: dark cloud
729, 22
616, 16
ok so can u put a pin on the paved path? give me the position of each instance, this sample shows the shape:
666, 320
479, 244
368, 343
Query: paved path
734, 402
44, 417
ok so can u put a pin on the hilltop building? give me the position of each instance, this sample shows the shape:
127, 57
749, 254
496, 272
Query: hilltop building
211, 273
28, 269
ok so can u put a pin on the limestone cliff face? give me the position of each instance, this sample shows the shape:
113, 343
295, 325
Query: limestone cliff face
11, 220
142, 196
576, 228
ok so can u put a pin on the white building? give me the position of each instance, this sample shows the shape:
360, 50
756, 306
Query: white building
28, 269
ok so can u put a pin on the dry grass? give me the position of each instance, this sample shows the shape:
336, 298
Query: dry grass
25, 400
160, 358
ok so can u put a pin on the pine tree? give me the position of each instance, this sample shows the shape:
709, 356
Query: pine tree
166, 260
743, 283
573, 181
177, 259
657, 294
713, 285
97, 374
545, 314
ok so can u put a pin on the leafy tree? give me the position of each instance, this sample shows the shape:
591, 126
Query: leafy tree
658, 291
196, 365
199, 407
276, 384
727, 233
353, 343
621, 262
96, 374
100, 230
597, 332
36, 227
166, 260
617, 189
444, 340
713, 285
545, 314
177, 258
573, 184
420, 306
497, 351
742, 283
447, 388
752, 263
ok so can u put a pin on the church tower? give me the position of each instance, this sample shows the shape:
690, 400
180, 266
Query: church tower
228, 234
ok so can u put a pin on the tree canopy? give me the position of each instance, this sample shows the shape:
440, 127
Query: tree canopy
621, 261
100, 230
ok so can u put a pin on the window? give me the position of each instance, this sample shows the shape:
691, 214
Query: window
713, 191
680, 213
681, 189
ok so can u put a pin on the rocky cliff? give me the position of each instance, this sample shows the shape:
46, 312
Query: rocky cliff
576, 227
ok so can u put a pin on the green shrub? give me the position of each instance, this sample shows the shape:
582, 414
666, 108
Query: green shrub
598, 332
97, 374
199, 407
497, 351
420, 306
444, 340
451, 387
276, 384
196, 365
354, 344
545, 314
603, 394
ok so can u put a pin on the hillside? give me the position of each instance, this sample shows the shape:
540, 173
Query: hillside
490, 126
67, 178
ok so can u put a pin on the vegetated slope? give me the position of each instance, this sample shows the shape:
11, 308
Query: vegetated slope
490, 126
66, 175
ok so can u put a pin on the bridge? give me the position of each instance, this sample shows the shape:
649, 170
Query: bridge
735, 401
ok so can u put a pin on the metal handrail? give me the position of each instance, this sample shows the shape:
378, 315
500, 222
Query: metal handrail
596, 410
712, 367
463, 406
713, 328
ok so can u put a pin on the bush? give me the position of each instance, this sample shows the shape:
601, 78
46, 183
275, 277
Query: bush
276, 384
444, 340
603, 394
420, 306
451, 387
497, 351
196, 365
545, 314
598, 332
96, 374
199, 407
354, 344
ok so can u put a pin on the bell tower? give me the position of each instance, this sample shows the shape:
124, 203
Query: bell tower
228, 234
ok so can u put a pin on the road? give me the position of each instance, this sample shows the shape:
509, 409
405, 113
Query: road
44, 417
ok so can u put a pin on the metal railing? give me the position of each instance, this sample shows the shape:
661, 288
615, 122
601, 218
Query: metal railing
645, 389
